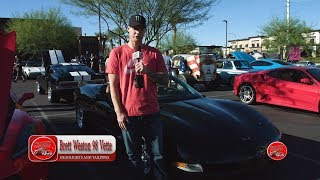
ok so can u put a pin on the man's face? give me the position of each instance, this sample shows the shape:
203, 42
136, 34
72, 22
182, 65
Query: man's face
136, 33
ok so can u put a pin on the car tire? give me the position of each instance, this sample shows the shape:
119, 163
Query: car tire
247, 94
52, 95
81, 116
40, 90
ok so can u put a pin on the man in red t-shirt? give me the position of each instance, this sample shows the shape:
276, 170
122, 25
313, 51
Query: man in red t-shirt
137, 108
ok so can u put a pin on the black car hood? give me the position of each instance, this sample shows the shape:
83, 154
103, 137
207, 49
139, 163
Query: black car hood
211, 131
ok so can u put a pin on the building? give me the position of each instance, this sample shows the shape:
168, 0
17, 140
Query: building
247, 45
255, 43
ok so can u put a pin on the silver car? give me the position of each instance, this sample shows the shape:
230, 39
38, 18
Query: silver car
227, 69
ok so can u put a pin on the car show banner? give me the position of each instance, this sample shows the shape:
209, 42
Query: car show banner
72, 148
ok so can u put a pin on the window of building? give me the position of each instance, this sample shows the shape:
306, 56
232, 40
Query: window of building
247, 45
252, 45
258, 45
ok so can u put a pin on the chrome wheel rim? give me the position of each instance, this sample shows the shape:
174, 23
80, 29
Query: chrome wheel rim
246, 94
49, 93
38, 87
80, 117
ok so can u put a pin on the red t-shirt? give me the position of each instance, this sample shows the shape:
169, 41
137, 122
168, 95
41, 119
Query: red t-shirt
137, 101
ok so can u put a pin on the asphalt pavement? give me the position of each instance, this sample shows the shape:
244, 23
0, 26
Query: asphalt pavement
301, 134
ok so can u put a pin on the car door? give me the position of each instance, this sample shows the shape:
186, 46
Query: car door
268, 87
295, 93
42, 80
226, 71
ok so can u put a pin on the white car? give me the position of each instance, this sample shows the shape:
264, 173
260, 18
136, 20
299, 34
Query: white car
228, 69
33, 69
306, 63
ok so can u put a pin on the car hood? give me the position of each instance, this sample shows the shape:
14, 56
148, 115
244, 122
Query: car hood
7, 49
211, 131
243, 56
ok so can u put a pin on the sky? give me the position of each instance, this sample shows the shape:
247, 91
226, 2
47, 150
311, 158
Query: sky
245, 17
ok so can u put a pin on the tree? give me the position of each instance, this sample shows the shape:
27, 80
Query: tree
162, 15
184, 43
41, 30
284, 35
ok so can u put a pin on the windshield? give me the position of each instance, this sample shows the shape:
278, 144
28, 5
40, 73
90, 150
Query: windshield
315, 73
72, 68
281, 62
176, 90
33, 64
242, 65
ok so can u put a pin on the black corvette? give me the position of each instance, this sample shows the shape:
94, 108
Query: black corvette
203, 135
61, 79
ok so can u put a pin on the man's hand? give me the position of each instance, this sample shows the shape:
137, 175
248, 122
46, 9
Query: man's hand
139, 67
122, 120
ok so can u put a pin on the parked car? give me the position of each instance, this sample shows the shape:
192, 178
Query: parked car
32, 69
228, 69
16, 126
195, 70
60, 79
195, 127
296, 87
264, 64
305, 63
241, 56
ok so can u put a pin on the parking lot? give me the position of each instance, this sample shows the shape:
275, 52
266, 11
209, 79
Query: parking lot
301, 134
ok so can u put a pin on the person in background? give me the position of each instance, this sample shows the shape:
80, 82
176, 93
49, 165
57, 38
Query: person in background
167, 59
94, 63
137, 107
18, 68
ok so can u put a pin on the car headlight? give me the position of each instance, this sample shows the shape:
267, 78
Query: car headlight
189, 167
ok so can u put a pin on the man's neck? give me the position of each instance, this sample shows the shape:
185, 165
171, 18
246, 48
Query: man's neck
134, 45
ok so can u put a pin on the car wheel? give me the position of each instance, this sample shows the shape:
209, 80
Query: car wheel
81, 117
40, 90
247, 94
52, 95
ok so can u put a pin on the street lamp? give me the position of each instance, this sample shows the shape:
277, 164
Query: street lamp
225, 55
235, 38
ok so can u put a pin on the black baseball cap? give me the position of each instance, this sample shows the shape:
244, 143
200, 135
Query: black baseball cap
137, 20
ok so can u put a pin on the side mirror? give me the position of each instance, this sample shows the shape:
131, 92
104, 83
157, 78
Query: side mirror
306, 81
25, 97
262, 76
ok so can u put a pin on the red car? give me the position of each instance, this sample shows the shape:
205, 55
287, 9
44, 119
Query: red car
296, 87
16, 126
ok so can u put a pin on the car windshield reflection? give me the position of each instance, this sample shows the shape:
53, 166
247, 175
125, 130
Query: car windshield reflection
242, 65
177, 90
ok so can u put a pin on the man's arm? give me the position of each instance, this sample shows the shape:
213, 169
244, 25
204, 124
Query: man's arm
116, 100
161, 78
